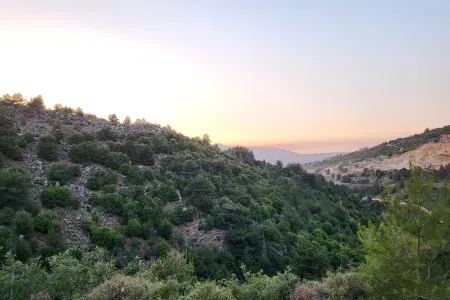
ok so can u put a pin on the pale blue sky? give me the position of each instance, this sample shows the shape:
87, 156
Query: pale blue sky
307, 75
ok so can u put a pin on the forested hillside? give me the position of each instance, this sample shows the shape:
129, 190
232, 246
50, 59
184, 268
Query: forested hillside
69, 179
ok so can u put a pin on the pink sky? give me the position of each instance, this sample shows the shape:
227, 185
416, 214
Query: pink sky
296, 76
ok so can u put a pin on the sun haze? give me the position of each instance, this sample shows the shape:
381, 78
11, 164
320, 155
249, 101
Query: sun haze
308, 76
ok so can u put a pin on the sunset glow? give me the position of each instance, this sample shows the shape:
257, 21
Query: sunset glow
296, 77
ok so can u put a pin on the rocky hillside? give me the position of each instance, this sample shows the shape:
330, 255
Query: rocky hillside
138, 190
429, 150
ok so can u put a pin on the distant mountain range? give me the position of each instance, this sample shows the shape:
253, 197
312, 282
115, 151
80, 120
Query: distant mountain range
271, 155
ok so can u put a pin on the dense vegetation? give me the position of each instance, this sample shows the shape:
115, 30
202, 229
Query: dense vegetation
394, 147
407, 257
270, 225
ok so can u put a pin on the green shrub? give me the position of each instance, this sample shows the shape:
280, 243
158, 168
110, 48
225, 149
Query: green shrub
165, 192
22, 249
29, 137
107, 134
9, 148
110, 188
263, 287
82, 153
148, 174
113, 203
21, 142
23, 223
7, 126
78, 138
179, 214
7, 237
14, 185
100, 154
134, 174
201, 193
59, 135
54, 242
76, 271
48, 148
62, 196
115, 159
172, 266
46, 221
161, 248
29, 279
165, 229
63, 173
106, 237
143, 155
99, 179
7, 214
126, 193
133, 228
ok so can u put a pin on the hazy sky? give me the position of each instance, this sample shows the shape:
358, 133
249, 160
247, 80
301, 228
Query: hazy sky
308, 76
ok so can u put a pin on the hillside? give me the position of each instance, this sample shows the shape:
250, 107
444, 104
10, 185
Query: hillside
393, 148
138, 189
429, 150
272, 155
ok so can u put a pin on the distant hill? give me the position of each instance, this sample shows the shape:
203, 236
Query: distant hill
393, 148
381, 164
271, 155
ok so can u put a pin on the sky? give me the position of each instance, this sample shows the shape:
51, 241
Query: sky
306, 76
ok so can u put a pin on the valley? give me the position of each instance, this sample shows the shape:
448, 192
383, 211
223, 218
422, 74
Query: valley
77, 189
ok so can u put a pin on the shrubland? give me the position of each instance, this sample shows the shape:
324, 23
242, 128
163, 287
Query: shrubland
277, 232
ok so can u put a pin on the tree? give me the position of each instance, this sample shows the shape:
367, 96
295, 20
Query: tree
9, 148
76, 271
6, 97
17, 98
19, 280
133, 228
23, 222
107, 134
127, 120
46, 221
113, 118
79, 112
82, 152
14, 185
63, 173
408, 255
36, 102
115, 159
62, 196
201, 194
48, 148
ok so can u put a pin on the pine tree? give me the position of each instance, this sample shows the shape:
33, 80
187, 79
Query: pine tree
408, 255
